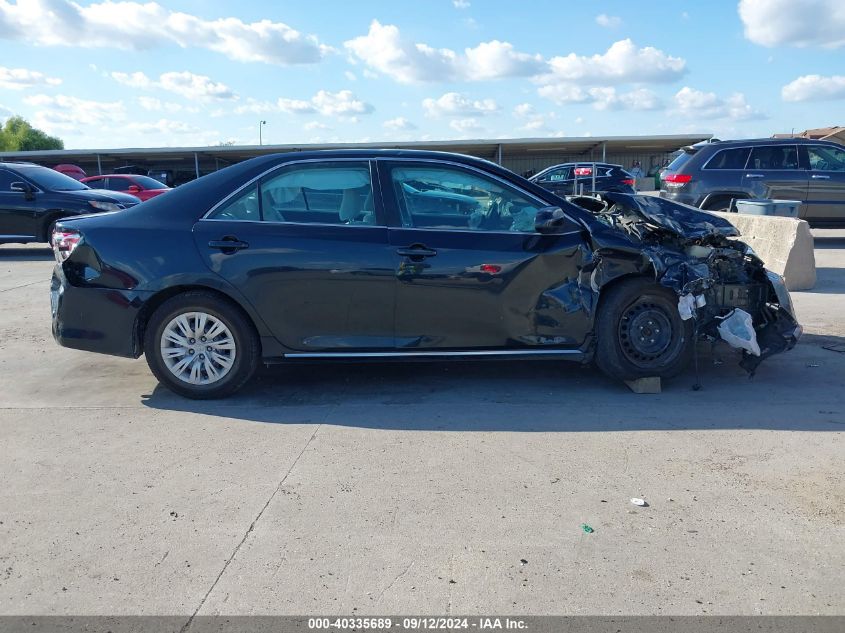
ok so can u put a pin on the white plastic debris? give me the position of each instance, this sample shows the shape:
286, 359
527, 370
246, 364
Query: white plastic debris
639, 502
700, 301
686, 306
737, 330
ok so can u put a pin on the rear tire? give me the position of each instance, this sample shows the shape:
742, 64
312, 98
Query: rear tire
639, 332
719, 203
201, 346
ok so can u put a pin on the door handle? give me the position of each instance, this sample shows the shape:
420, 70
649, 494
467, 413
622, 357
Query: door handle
416, 251
228, 244
754, 176
820, 177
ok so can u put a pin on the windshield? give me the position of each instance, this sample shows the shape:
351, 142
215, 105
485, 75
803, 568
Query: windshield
51, 180
148, 183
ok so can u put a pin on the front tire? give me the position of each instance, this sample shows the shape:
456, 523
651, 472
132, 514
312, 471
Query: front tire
639, 332
201, 346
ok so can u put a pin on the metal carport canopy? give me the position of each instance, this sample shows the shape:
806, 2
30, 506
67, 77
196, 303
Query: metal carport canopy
509, 146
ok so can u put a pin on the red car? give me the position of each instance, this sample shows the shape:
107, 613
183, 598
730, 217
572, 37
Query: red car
142, 187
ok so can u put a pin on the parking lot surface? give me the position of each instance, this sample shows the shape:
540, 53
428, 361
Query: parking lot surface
426, 488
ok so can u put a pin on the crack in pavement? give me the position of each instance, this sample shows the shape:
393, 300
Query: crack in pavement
40, 281
249, 530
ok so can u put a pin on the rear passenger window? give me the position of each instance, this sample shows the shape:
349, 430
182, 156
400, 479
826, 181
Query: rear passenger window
322, 193
778, 157
729, 159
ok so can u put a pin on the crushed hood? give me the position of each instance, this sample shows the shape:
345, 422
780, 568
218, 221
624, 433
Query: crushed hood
680, 219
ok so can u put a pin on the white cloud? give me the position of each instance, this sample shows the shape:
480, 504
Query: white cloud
456, 104
342, 104
601, 97
814, 88
186, 84
157, 105
193, 86
399, 124
350, 76
461, 4
786, 22
622, 63
466, 126
608, 21
523, 110
640, 99
20, 78
708, 105
315, 125
62, 113
162, 126
385, 50
142, 26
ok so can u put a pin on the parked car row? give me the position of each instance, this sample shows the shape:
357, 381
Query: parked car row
711, 174
405, 256
33, 198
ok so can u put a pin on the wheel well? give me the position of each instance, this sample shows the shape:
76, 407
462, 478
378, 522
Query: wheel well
603, 291
152, 304
711, 200
49, 218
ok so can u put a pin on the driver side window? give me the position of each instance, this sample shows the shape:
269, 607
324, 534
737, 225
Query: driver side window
451, 198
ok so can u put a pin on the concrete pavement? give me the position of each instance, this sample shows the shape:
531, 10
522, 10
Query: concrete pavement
420, 488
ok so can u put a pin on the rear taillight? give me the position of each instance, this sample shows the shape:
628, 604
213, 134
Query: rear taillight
64, 242
676, 180
628, 181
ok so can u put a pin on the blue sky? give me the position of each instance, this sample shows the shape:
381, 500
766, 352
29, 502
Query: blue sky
197, 72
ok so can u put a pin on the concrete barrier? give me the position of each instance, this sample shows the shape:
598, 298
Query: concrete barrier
784, 244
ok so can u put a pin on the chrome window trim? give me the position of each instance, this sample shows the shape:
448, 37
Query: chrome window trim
371, 161
277, 167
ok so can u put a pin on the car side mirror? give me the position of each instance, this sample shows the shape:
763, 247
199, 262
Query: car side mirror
25, 188
549, 220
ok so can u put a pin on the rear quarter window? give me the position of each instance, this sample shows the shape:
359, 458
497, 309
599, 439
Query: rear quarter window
680, 160
729, 159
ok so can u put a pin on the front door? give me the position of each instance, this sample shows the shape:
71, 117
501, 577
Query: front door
826, 197
307, 246
472, 272
17, 214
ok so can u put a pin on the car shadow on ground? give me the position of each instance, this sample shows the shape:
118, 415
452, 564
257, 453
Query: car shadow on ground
789, 392
22, 254
829, 241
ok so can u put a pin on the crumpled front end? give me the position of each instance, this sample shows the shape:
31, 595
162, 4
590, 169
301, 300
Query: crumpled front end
721, 284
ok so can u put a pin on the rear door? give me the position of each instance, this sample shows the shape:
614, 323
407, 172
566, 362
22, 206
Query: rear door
307, 246
826, 196
775, 172
477, 276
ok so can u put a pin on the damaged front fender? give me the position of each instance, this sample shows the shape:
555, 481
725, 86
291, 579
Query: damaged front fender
695, 254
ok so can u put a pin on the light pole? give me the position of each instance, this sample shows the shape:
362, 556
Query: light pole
261, 124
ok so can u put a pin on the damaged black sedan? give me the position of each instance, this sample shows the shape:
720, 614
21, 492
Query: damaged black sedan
405, 255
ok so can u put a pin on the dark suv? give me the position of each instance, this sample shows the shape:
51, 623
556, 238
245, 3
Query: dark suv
567, 178
32, 198
711, 174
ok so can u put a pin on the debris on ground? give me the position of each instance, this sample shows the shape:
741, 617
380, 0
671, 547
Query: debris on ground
522, 561
835, 347
587, 528
639, 502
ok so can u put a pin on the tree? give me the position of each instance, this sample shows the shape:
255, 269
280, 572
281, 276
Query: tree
17, 135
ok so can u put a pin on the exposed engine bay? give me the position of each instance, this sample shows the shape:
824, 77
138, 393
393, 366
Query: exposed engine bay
721, 284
